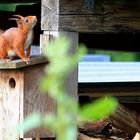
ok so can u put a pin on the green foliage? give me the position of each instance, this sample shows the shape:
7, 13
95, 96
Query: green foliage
118, 56
62, 62
64, 123
101, 108
32, 121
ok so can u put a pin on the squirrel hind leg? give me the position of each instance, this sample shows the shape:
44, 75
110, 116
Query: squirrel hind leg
7, 59
4, 57
27, 52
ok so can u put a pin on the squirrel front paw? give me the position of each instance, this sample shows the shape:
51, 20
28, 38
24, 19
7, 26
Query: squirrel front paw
27, 61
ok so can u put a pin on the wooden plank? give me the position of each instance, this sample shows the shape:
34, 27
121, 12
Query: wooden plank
49, 14
9, 102
19, 96
73, 7
33, 101
108, 16
72, 81
113, 89
115, 7
18, 63
90, 23
52, 5
83, 23
44, 41
102, 7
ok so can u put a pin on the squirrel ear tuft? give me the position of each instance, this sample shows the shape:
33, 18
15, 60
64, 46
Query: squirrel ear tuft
19, 16
13, 19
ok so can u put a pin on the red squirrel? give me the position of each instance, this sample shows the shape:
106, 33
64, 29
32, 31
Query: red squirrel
17, 41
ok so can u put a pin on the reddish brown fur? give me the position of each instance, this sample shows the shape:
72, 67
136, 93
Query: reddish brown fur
18, 39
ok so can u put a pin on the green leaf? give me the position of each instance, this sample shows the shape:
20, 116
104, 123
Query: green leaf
82, 50
44, 84
99, 109
50, 121
58, 48
32, 121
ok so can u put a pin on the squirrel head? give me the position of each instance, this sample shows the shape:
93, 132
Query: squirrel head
26, 23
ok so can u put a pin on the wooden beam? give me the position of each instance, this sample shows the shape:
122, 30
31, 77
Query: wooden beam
107, 16
89, 23
49, 16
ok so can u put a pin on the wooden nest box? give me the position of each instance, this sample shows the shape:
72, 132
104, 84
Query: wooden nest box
20, 96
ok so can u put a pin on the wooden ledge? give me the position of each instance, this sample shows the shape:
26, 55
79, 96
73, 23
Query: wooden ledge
18, 63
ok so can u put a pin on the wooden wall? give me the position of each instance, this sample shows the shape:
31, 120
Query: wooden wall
72, 15
107, 16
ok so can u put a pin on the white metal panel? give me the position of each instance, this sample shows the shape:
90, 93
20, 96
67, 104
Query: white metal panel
108, 72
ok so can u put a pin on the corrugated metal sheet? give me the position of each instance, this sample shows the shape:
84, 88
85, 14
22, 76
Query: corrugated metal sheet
90, 72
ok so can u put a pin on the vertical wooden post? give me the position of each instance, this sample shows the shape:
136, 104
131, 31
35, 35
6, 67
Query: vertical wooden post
50, 24
72, 81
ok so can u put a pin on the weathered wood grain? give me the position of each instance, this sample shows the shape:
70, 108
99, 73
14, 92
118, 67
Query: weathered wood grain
107, 16
126, 120
102, 7
72, 81
98, 24
33, 101
73, 7
9, 102
83, 23
18, 63
20, 95
49, 14
44, 41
